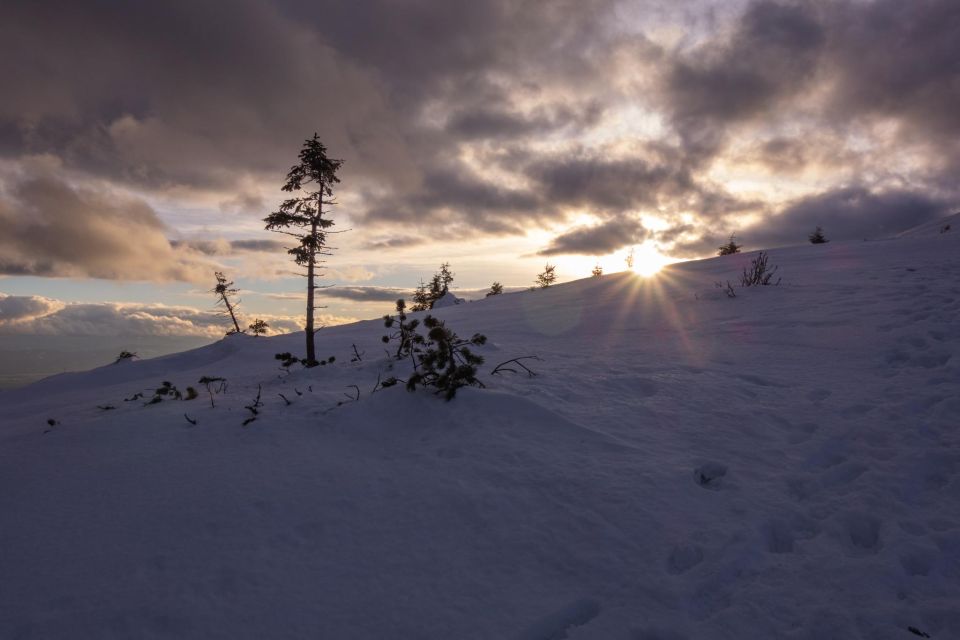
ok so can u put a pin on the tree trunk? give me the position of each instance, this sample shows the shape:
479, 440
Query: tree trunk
311, 268
232, 315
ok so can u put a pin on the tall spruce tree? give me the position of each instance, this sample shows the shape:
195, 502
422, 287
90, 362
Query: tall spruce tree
302, 218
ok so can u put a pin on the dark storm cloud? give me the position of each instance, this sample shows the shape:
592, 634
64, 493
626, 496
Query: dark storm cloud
901, 60
457, 197
597, 240
431, 104
52, 228
614, 185
364, 294
851, 213
770, 56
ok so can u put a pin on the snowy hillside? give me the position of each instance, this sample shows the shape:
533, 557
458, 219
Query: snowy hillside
684, 465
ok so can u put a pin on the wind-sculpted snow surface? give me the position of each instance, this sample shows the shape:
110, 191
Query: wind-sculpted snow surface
684, 465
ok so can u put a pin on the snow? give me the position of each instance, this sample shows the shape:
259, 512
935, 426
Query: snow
684, 465
446, 300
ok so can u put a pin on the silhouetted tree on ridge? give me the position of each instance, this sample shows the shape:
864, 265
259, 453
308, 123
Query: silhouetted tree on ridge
305, 216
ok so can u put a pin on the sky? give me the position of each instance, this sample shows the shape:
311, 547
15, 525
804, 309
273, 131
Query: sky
142, 144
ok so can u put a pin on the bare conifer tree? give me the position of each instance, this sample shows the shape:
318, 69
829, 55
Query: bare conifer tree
224, 291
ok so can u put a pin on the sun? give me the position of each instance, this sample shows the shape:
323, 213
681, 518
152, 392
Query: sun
647, 261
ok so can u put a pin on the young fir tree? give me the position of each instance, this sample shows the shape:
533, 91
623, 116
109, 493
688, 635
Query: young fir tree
495, 289
817, 236
630, 258
440, 283
597, 271
424, 297
224, 291
730, 248
421, 298
259, 327
302, 218
548, 276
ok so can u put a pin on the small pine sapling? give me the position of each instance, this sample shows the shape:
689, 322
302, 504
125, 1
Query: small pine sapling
817, 236
421, 298
597, 271
287, 359
259, 327
547, 277
630, 258
405, 333
730, 248
445, 361
495, 289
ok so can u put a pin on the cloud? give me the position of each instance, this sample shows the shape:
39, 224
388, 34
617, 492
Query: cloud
222, 247
597, 240
476, 117
34, 315
52, 228
850, 213
398, 242
364, 294
899, 60
14, 309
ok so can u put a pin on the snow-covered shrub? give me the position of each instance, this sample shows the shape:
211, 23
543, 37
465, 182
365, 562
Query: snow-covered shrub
165, 391
286, 359
125, 356
444, 360
758, 273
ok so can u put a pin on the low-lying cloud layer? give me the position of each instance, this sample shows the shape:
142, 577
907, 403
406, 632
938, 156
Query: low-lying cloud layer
35, 315
474, 117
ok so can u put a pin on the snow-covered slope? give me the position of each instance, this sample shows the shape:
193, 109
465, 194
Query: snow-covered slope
684, 465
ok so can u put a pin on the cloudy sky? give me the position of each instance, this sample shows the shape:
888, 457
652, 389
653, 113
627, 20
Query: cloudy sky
141, 144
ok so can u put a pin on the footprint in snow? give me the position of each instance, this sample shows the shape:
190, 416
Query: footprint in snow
684, 557
657, 634
709, 475
556, 625
860, 534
